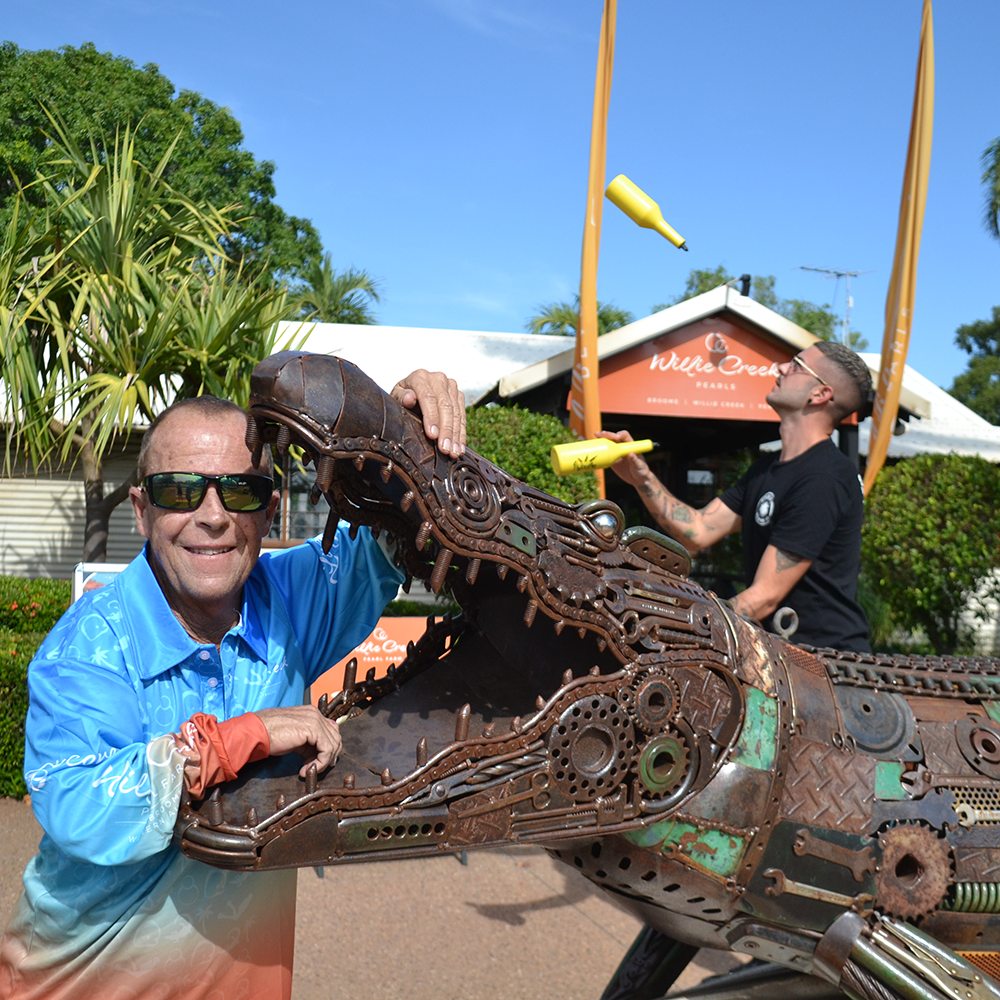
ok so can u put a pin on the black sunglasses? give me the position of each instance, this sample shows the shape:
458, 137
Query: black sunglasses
239, 493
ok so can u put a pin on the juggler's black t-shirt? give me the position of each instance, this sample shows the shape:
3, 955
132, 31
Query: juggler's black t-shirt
811, 506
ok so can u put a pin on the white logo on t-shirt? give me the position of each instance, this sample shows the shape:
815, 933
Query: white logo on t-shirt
765, 508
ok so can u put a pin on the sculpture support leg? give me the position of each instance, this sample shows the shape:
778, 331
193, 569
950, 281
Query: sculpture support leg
650, 967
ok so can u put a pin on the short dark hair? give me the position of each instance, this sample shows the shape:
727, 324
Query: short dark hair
210, 406
857, 373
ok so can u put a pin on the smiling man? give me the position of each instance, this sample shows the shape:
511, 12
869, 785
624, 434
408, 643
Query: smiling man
800, 510
191, 664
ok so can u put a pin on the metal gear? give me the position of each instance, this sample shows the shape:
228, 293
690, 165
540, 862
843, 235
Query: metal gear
591, 747
663, 764
652, 701
914, 873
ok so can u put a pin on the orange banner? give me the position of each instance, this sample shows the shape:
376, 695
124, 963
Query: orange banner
584, 401
387, 644
903, 283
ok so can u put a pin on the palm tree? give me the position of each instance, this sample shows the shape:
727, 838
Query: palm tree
991, 178
107, 337
329, 296
563, 318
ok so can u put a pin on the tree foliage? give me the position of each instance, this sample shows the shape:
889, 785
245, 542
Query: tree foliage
817, 319
520, 441
563, 318
114, 299
979, 385
991, 181
98, 94
931, 542
328, 296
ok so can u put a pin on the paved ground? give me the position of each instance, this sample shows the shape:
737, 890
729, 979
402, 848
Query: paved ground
510, 923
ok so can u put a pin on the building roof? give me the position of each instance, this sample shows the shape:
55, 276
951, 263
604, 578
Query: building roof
513, 363
721, 299
475, 359
950, 426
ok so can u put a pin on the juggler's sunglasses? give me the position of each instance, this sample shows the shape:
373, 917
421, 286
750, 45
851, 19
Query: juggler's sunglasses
239, 493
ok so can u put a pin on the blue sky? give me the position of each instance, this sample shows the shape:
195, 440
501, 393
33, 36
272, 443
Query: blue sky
442, 144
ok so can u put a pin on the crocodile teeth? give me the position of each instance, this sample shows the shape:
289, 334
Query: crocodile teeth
462, 723
423, 534
472, 571
324, 472
440, 569
284, 439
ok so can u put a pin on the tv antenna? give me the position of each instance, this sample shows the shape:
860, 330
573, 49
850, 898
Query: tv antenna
832, 272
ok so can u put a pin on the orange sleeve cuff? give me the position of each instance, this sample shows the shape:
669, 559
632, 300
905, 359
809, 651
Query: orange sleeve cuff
217, 750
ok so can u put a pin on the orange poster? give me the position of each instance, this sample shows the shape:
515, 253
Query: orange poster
711, 368
387, 644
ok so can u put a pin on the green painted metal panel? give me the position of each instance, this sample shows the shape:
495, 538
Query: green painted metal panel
712, 849
887, 780
758, 743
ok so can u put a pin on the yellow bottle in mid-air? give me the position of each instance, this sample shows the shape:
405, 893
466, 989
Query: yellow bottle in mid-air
597, 453
641, 209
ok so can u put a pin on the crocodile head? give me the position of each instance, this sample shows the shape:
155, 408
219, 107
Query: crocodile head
590, 698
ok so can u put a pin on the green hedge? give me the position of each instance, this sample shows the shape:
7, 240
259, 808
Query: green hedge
32, 605
16, 649
28, 609
520, 441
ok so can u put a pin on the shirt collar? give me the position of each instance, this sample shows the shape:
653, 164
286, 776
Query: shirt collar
158, 638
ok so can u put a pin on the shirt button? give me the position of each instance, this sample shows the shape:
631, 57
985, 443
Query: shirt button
205, 654
213, 682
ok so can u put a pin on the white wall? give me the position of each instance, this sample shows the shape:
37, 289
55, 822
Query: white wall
42, 520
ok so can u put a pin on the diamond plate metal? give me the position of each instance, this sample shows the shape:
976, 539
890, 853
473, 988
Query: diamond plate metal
827, 787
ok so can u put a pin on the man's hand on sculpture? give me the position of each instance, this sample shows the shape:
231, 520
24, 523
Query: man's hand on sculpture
441, 404
304, 730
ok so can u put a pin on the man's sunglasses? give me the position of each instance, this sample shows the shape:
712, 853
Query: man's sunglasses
796, 360
240, 494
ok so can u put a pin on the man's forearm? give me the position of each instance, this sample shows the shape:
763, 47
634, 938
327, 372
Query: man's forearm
778, 572
671, 514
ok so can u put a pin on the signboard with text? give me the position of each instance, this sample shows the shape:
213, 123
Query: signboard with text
387, 644
711, 368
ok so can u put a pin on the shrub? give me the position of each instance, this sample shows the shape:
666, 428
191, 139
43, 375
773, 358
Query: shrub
931, 542
32, 605
16, 650
519, 441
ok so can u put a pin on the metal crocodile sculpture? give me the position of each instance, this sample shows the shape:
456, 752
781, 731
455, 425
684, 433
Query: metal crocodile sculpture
835, 813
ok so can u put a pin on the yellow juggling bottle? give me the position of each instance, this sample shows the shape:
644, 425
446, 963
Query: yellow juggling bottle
640, 208
597, 453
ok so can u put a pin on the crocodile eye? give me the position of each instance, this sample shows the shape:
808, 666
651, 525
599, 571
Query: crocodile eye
604, 520
605, 524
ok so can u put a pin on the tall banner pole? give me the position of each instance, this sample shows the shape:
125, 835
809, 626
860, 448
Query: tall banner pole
584, 401
903, 283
